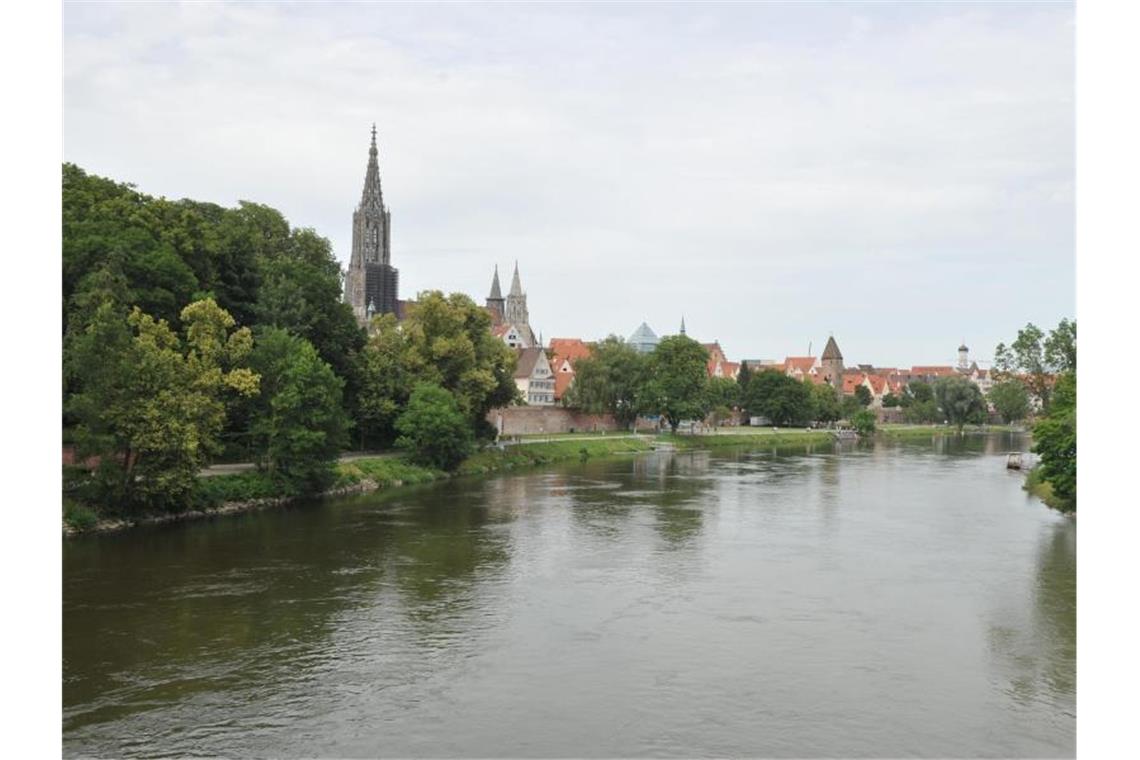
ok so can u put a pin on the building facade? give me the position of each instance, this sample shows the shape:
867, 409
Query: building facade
371, 285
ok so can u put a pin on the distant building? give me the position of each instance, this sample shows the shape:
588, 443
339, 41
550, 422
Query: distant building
533, 377
371, 283
644, 339
831, 364
564, 352
510, 318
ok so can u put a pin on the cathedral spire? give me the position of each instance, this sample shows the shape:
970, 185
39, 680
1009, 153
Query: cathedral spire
372, 197
516, 285
682, 324
496, 292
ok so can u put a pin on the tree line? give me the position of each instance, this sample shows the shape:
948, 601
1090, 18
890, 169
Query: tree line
193, 332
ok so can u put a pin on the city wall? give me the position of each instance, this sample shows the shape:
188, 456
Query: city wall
532, 420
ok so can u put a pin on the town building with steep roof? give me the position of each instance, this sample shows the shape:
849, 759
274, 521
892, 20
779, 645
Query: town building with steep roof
512, 311
533, 376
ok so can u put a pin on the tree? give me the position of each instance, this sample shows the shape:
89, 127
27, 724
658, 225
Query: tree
1010, 400
434, 429
299, 425
1055, 440
1034, 358
824, 403
864, 422
152, 406
923, 412
960, 401
723, 392
386, 379
610, 381
782, 399
743, 377
451, 345
890, 400
863, 395
677, 382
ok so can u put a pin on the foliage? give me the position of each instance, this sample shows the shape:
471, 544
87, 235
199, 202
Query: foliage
79, 516
782, 399
677, 382
960, 401
299, 425
434, 429
214, 491
610, 381
824, 403
743, 377
863, 396
890, 400
1055, 440
723, 393
150, 406
1035, 358
1010, 400
385, 376
922, 412
864, 422
450, 345
849, 406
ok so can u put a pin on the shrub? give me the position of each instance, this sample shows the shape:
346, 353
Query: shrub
78, 516
433, 430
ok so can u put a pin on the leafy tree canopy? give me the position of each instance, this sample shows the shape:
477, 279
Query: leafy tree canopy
678, 380
960, 401
611, 380
434, 429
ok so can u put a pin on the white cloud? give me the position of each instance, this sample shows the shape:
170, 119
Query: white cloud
900, 175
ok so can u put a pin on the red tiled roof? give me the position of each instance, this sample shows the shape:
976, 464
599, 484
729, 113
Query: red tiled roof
801, 363
568, 348
878, 384
500, 330
731, 369
932, 370
562, 381
852, 380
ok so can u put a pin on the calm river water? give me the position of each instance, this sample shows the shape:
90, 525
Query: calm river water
883, 600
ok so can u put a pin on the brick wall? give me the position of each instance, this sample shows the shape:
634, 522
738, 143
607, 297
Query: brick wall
528, 420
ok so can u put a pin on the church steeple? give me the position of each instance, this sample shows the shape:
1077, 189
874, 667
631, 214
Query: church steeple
496, 292
372, 198
516, 285
682, 324
371, 279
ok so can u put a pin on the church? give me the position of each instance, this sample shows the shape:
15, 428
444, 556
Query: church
371, 283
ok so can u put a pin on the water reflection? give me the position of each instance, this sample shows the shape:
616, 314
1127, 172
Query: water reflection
879, 600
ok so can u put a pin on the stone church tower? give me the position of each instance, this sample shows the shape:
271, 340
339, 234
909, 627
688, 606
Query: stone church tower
370, 286
495, 301
831, 365
515, 311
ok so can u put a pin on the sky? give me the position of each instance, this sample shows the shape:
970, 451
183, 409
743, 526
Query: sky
898, 175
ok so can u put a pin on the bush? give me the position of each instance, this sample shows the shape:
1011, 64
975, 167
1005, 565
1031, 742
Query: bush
433, 430
78, 516
864, 422
210, 493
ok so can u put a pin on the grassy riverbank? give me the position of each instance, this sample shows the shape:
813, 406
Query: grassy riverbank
1043, 490
242, 491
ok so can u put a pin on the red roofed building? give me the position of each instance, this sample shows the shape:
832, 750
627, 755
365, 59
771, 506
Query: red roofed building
564, 352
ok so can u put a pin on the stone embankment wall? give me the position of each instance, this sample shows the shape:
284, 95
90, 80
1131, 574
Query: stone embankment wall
532, 420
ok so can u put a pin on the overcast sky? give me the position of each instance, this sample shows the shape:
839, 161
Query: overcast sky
899, 175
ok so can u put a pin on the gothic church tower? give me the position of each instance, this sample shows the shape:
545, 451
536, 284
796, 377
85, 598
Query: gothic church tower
371, 283
515, 311
495, 301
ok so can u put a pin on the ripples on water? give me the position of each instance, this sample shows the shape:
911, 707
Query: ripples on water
904, 600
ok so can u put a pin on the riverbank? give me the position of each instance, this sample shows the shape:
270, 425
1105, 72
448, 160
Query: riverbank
1043, 490
246, 491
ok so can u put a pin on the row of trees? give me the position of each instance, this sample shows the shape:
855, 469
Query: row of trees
1044, 365
193, 331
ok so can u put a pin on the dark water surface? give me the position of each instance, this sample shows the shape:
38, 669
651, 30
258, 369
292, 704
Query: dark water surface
888, 600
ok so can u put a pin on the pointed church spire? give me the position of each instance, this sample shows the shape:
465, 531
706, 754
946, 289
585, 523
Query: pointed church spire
372, 196
682, 324
516, 286
496, 292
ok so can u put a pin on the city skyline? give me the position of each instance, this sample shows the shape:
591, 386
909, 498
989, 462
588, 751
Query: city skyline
900, 177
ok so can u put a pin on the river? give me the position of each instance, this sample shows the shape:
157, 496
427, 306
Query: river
886, 599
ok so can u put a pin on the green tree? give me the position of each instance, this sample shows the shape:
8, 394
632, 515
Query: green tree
782, 399
1010, 400
451, 345
960, 401
1034, 358
434, 429
890, 400
150, 405
824, 403
1055, 440
386, 382
723, 392
299, 425
743, 377
864, 422
849, 406
863, 395
677, 382
610, 381
923, 412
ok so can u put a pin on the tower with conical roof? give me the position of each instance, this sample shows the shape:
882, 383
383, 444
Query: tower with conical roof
963, 357
514, 309
831, 365
495, 301
371, 278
